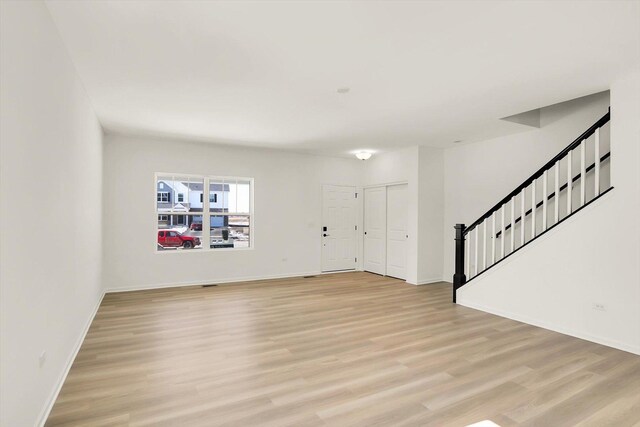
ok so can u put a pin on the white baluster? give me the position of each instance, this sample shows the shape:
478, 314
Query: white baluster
503, 208
544, 201
533, 209
556, 205
569, 183
583, 172
597, 164
513, 224
468, 254
522, 216
493, 239
476, 253
484, 243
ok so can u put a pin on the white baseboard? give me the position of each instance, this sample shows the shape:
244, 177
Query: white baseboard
52, 399
215, 282
541, 324
353, 270
429, 281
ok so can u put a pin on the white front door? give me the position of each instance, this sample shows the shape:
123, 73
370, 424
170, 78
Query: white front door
338, 228
375, 225
397, 212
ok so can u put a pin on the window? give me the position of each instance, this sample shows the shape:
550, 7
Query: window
175, 229
228, 211
213, 198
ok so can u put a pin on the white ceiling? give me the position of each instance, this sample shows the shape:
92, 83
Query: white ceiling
265, 73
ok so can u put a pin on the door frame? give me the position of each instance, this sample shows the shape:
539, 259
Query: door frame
385, 185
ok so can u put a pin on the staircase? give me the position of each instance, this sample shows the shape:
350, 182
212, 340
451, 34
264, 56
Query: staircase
570, 181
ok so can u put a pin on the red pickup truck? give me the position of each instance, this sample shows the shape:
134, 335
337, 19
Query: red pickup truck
173, 239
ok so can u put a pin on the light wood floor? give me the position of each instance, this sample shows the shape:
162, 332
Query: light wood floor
344, 349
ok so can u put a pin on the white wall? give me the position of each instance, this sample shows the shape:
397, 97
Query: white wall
50, 212
594, 258
478, 175
287, 210
430, 215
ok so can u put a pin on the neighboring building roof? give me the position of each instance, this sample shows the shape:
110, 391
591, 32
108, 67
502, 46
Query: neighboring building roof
178, 207
218, 187
192, 186
197, 186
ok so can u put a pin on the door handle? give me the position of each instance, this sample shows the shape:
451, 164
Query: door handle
325, 235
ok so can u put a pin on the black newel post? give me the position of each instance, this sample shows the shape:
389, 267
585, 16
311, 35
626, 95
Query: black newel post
459, 278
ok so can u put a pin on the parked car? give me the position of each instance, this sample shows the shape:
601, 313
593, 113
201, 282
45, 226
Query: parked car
196, 226
173, 239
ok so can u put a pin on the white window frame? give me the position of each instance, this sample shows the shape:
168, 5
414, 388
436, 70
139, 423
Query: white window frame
206, 214
180, 196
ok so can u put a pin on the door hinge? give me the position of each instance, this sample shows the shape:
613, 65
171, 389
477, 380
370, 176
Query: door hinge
356, 259
356, 195
356, 227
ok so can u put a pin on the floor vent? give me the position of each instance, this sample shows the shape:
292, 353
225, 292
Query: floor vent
307, 277
208, 286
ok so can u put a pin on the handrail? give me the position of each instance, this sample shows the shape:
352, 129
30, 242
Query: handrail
552, 195
586, 134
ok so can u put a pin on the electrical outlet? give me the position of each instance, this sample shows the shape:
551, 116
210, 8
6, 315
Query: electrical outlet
599, 307
42, 358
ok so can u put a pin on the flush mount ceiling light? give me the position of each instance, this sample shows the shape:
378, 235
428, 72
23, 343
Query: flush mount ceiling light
343, 90
363, 155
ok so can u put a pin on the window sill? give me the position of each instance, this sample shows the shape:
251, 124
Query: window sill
199, 251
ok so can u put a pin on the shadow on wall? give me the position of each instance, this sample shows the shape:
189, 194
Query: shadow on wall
557, 112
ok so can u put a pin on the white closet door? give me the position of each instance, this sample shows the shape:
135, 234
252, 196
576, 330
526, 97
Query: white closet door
375, 235
397, 212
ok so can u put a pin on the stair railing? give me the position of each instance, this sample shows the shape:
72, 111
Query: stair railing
492, 237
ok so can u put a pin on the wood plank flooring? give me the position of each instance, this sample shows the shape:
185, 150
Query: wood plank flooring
338, 350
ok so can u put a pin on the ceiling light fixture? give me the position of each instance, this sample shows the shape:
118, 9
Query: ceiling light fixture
363, 155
